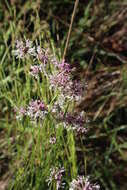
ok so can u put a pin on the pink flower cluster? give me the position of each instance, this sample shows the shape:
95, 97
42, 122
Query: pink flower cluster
35, 110
60, 81
71, 89
23, 49
74, 122
35, 70
56, 175
82, 183
64, 67
42, 55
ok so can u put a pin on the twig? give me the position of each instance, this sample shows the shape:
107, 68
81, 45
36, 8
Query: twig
70, 28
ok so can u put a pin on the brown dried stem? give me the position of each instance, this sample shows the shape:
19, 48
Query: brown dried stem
70, 28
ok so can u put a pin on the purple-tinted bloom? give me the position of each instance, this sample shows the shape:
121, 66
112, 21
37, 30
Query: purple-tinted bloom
23, 49
56, 175
59, 80
79, 129
64, 67
28, 43
20, 51
77, 122
76, 90
73, 121
82, 183
70, 89
36, 109
42, 55
52, 140
73, 90
31, 50
35, 70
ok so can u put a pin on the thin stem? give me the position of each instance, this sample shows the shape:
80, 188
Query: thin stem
70, 28
44, 71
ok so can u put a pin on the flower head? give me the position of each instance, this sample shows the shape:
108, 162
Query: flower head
82, 183
23, 49
35, 70
36, 109
59, 80
42, 55
76, 90
56, 175
64, 67
77, 122
74, 121
69, 89
52, 140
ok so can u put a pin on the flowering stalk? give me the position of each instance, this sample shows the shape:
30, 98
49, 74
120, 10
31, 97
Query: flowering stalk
73, 122
56, 175
60, 81
82, 183
69, 91
36, 109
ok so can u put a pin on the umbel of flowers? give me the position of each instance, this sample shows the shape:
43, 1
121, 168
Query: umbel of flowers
68, 91
56, 175
82, 183
60, 81
36, 109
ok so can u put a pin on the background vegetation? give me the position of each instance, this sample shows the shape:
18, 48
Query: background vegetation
98, 50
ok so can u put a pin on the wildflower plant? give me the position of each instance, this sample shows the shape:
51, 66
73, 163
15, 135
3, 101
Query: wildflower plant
60, 82
57, 105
